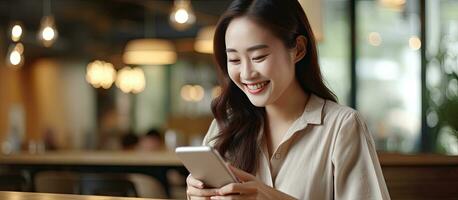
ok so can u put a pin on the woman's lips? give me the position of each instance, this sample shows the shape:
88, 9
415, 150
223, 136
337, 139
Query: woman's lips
256, 88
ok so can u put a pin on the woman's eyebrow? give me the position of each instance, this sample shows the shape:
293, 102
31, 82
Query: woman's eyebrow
255, 47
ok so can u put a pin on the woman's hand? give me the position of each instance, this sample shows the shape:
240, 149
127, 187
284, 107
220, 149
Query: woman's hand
197, 190
249, 188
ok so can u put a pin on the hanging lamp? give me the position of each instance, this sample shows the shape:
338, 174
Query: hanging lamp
182, 16
204, 40
131, 80
48, 31
16, 32
15, 56
149, 50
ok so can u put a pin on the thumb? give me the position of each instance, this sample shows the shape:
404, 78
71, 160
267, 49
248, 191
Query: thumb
241, 175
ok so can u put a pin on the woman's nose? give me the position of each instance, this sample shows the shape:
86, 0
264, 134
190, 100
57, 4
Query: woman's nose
247, 71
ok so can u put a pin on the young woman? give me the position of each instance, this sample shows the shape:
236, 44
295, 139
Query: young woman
276, 122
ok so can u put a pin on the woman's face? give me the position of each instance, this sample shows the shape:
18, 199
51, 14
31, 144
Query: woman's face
258, 62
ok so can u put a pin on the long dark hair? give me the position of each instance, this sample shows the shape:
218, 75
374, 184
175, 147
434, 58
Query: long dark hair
240, 121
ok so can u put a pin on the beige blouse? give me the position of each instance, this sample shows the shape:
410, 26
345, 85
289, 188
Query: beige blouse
327, 153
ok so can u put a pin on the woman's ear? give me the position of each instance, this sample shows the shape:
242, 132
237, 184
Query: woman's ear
301, 48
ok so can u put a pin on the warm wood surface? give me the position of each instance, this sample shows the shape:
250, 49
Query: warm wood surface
419, 177
396, 159
162, 158
422, 182
46, 196
167, 158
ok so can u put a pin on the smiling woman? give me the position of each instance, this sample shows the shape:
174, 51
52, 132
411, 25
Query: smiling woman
276, 122
259, 63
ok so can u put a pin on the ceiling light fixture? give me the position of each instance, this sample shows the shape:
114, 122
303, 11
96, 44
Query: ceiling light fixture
16, 32
100, 74
182, 15
192, 93
15, 56
204, 40
149, 52
48, 32
131, 80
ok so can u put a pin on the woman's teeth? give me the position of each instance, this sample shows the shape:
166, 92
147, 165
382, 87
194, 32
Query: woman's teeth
257, 86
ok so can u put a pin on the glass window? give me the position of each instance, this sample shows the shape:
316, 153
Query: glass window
334, 48
442, 74
388, 72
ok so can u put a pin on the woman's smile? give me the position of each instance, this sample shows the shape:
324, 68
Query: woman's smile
256, 88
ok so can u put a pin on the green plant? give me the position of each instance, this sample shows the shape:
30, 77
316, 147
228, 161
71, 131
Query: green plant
443, 94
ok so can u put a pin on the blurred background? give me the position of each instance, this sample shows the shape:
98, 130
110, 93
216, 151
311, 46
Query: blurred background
74, 86
111, 75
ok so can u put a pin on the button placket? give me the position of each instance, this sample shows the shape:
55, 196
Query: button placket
276, 161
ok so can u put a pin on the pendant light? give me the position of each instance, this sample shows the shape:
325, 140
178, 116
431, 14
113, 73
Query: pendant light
204, 40
15, 56
16, 32
131, 80
182, 15
100, 74
192, 93
48, 32
149, 50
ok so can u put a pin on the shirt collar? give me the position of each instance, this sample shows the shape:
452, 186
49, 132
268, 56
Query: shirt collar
313, 112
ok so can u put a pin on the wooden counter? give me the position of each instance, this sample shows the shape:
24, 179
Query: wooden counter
155, 164
42, 196
167, 158
419, 177
124, 158
397, 159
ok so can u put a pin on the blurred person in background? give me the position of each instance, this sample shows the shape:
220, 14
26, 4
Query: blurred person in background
129, 141
151, 141
50, 140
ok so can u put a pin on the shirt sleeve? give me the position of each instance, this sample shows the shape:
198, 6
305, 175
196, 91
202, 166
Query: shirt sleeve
213, 131
357, 171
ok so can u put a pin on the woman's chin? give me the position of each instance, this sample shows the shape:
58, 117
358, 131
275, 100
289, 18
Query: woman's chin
258, 102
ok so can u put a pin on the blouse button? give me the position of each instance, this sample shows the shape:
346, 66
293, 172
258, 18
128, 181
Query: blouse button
277, 156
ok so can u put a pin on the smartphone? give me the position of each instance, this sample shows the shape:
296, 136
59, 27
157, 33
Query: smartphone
206, 165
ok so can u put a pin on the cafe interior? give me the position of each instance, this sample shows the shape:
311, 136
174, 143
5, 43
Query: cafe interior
96, 95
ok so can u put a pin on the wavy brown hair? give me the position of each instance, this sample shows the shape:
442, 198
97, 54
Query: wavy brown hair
240, 121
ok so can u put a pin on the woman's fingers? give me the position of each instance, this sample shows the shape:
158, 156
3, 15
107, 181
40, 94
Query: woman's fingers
242, 175
191, 181
238, 188
229, 197
199, 198
233, 197
192, 191
196, 189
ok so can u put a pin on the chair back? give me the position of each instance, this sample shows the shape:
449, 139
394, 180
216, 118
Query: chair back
106, 184
147, 186
62, 182
12, 181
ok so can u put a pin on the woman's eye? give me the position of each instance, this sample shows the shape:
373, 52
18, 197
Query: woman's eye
259, 58
234, 60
